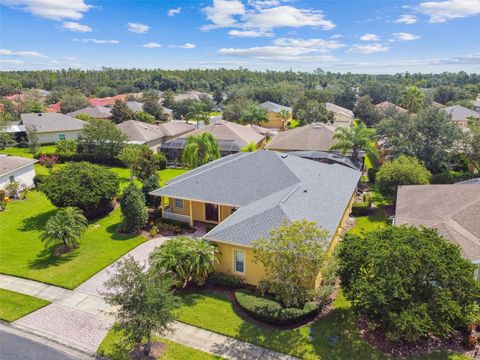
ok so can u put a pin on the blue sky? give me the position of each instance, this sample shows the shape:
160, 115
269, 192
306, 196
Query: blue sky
356, 36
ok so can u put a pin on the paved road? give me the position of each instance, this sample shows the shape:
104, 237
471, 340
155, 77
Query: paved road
13, 347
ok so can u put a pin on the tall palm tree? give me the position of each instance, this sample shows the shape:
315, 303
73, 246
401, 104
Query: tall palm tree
200, 149
255, 115
412, 99
355, 139
196, 112
67, 226
284, 115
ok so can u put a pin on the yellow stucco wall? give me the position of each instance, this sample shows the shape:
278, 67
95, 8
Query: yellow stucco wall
274, 121
198, 210
185, 210
254, 272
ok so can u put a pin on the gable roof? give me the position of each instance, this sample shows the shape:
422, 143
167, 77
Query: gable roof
316, 136
97, 112
459, 112
135, 106
452, 209
269, 187
338, 109
9, 164
140, 132
51, 122
226, 130
387, 105
273, 107
175, 128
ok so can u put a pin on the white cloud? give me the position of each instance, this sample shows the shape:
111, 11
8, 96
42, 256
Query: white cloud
11, 62
250, 33
336, 36
34, 54
369, 37
175, 11
137, 28
406, 19
403, 36
152, 45
97, 41
261, 17
184, 46
51, 9
309, 43
369, 48
443, 11
76, 27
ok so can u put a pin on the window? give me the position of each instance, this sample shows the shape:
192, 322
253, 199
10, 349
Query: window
476, 274
239, 261
179, 203
61, 136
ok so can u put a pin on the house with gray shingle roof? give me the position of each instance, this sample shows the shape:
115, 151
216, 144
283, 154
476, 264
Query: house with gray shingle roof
460, 115
247, 195
52, 127
135, 106
342, 117
454, 210
16, 168
274, 119
96, 112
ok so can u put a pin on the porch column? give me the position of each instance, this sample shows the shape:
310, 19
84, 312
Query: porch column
162, 206
219, 215
191, 213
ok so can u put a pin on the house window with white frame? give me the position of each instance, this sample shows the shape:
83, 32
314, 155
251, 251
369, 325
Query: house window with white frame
239, 261
61, 136
179, 203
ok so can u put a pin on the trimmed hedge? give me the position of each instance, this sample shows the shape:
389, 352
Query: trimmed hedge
79, 157
451, 177
372, 174
271, 312
227, 280
362, 208
39, 179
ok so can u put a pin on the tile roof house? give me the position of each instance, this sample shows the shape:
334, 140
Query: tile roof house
316, 136
153, 135
274, 121
246, 195
96, 112
460, 115
342, 116
16, 168
388, 106
106, 101
452, 209
52, 127
231, 137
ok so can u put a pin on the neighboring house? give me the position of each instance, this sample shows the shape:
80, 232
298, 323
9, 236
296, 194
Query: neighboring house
329, 158
316, 137
191, 95
135, 106
452, 209
247, 195
260, 130
460, 115
52, 127
107, 101
167, 114
342, 116
96, 112
153, 135
437, 105
274, 120
16, 168
232, 138
476, 105
387, 106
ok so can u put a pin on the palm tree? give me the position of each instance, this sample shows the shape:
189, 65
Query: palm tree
196, 112
284, 115
412, 99
355, 139
67, 226
255, 115
200, 149
203, 259
251, 147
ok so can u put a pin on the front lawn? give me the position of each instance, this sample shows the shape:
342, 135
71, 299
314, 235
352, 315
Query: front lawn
111, 347
215, 312
25, 152
13, 305
24, 255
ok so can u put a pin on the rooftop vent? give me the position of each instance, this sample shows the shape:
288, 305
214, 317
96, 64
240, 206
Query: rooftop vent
284, 156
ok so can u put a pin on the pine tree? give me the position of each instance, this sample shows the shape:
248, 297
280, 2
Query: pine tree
132, 205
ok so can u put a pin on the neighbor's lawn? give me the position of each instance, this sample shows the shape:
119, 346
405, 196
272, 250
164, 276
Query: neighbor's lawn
215, 313
111, 347
369, 223
23, 254
25, 152
13, 305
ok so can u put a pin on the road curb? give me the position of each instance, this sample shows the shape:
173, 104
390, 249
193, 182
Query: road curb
46, 340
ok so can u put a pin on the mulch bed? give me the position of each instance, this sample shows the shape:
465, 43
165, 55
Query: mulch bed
157, 349
376, 338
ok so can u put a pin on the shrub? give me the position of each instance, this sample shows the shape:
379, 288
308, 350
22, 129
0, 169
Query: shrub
149, 184
67, 146
132, 204
89, 187
372, 174
360, 208
39, 179
451, 177
49, 161
271, 312
226, 280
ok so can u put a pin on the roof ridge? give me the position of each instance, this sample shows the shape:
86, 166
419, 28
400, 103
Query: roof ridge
236, 132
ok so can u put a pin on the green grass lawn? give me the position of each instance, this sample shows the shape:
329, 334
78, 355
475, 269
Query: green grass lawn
13, 305
23, 254
25, 152
368, 223
111, 347
215, 313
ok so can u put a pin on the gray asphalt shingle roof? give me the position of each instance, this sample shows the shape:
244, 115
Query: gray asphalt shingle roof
316, 136
273, 107
12, 163
338, 109
459, 112
51, 122
97, 112
269, 188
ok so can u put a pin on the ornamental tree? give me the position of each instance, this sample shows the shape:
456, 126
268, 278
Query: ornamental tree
409, 281
132, 205
66, 227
